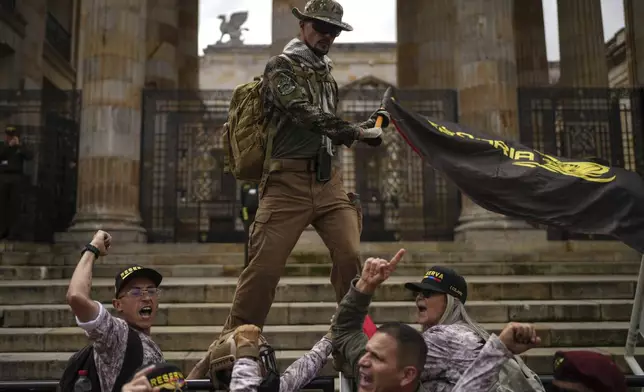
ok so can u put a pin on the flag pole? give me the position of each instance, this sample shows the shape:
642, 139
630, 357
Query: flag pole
634, 328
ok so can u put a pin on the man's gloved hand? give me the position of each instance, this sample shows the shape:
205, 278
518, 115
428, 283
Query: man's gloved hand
371, 136
247, 341
386, 117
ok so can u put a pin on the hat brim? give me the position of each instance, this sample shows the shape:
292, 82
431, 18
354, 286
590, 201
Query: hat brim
421, 287
148, 273
302, 16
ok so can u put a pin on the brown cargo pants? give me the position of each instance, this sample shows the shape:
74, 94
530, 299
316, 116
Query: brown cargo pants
291, 200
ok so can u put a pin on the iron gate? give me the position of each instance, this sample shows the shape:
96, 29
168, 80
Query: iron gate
185, 194
584, 123
403, 198
48, 122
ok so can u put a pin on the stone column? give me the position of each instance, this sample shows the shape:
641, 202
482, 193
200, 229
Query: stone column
487, 80
35, 14
114, 57
581, 44
188, 46
408, 37
634, 11
435, 42
161, 38
285, 25
425, 61
530, 44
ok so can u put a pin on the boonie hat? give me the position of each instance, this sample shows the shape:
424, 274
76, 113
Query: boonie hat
328, 11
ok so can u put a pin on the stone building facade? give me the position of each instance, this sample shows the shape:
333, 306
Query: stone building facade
224, 67
112, 50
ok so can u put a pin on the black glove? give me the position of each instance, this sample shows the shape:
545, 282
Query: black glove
386, 117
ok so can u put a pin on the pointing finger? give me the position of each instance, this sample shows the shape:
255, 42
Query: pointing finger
397, 257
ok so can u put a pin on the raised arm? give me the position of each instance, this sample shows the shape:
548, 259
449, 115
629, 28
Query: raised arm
349, 340
483, 372
78, 294
306, 368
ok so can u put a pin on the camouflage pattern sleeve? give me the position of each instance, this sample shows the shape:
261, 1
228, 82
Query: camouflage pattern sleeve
348, 338
483, 373
450, 351
246, 376
305, 369
284, 92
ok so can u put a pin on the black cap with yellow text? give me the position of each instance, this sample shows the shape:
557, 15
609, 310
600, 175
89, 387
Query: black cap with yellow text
135, 271
166, 377
442, 280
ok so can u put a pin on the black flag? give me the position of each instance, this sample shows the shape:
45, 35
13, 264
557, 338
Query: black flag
506, 177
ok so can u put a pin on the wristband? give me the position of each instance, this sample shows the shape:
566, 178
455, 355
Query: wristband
93, 249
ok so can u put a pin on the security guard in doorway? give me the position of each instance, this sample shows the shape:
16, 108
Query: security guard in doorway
12, 158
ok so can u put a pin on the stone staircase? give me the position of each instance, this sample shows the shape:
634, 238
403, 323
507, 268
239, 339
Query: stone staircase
578, 293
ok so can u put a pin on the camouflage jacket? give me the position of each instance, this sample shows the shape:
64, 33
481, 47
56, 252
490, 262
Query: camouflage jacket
246, 375
479, 370
290, 94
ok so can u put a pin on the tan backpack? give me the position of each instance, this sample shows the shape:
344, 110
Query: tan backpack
248, 135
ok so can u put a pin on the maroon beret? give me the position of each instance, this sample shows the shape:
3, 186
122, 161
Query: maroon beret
592, 369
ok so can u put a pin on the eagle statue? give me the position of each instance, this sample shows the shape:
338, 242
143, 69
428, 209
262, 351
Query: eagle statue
232, 27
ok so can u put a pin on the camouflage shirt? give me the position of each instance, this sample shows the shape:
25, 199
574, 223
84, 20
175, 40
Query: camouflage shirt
479, 370
299, 119
109, 336
246, 374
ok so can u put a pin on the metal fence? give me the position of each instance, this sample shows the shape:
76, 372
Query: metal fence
403, 198
185, 194
48, 121
584, 123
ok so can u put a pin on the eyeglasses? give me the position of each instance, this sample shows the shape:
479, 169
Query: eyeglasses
138, 292
326, 28
426, 294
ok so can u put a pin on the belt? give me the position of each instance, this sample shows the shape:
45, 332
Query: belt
293, 165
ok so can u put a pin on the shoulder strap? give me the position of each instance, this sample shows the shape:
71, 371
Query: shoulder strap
132, 361
92, 373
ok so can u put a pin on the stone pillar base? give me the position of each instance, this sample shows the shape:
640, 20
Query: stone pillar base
120, 230
485, 230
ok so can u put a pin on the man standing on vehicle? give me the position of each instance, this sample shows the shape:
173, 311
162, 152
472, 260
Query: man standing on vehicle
303, 185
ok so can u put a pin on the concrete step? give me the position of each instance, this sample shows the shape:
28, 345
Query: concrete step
316, 289
50, 365
293, 337
368, 247
417, 268
232, 254
303, 313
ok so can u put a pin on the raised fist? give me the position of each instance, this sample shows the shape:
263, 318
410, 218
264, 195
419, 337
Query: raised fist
519, 337
102, 240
